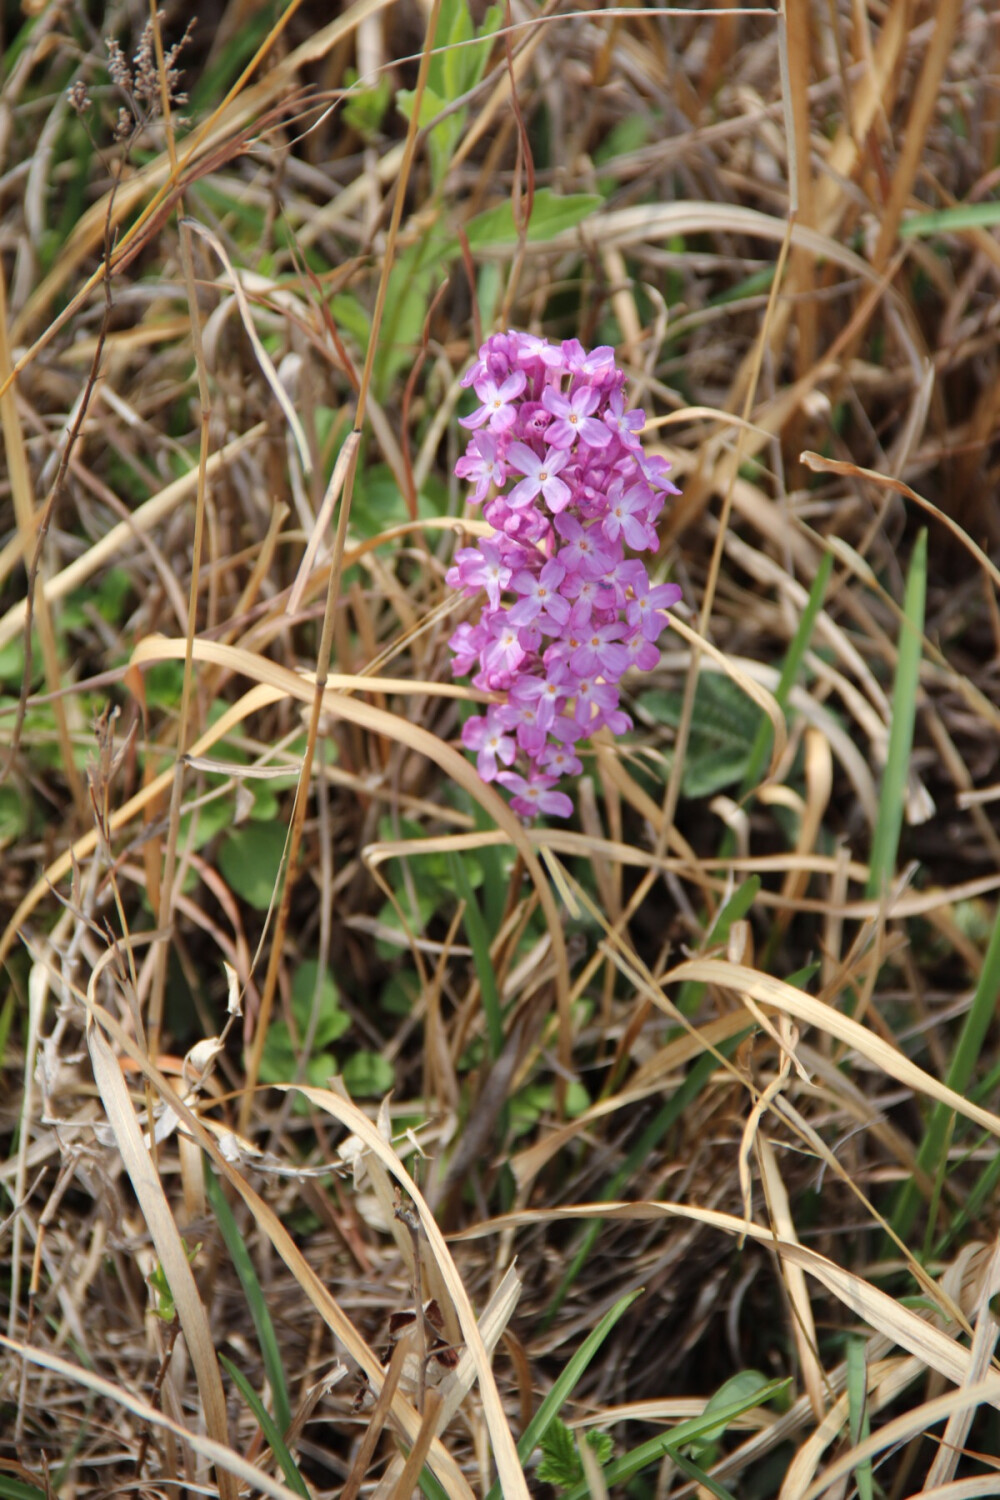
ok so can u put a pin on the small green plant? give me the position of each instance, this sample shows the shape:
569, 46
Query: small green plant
561, 1463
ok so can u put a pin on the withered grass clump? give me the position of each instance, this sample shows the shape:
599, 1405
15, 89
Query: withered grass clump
691, 1100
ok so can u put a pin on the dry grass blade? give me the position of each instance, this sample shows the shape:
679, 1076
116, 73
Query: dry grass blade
511, 1475
229, 1464
899, 1323
263, 358
770, 991
111, 546
395, 727
163, 1229
238, 698
318, 1294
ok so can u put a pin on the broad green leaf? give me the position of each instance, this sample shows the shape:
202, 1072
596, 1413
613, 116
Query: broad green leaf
14, 810
723, 730
332, 1021
368, 1075
740, 1388
250, 860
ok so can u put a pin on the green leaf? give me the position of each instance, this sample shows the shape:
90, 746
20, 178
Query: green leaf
268, 1428
14, 808
13, 1489
250, 859
892, 797
859, 1426
560, 1463
723, 730
653, 1451
12, 662
744, 1387
444, 136
690, 1468
365, 108
550, 215
368, 1075
951, 220
331, 1021
256, 1301
933, 1154
565, 1383
475, 928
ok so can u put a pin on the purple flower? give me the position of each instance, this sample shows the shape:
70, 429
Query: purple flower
584, 552
480, 567
574, 418
497, 407
486, 736
557, 464
540, 594
542, 476
481, 463
624, 424
534, 796
600, 651
645, 609
627, 515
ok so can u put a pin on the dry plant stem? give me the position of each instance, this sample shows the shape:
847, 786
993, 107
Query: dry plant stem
687, 708
418, 1453
376, 1423
333, 592
525, 161
82, 242
30, 546
170, 1339
408, 1218
165, 913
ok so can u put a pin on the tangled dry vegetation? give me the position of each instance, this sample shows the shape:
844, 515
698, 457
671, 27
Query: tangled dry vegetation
688, 1104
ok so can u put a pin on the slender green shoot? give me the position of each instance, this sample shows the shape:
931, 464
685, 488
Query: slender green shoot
892, 799
267, 1426
266, 1336
933, 1154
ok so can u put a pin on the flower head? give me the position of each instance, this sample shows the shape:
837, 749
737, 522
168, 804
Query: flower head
555, 459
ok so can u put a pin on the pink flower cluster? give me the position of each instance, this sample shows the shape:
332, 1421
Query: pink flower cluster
556, 461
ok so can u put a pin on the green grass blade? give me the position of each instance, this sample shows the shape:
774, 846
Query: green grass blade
688, 1467
479, 942
904, 711
951, 220
14, 1489
562, 1388
857, 1411
267, 1426
695, 1428
266, 1336
933, 1155
790, 670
